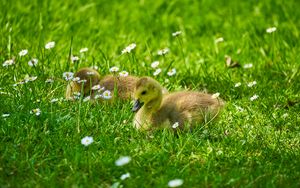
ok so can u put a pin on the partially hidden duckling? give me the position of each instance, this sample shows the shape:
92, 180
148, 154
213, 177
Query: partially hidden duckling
155, 110
88, 78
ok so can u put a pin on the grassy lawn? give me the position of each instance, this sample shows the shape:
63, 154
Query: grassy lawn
248, 51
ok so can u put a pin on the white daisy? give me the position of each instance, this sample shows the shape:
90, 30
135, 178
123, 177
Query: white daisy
76, 95
49, 80
175, 183
175, 125
76, 79
74, 59
33, 62
8, 63
172, 72
30, 78
87, 140
216, 95
50, 45
254, 97
68, 75
5, 115
123, 73
82, 50
123, 160
114, 69
163, 51
106, 94
129, 48
271, 29
154, 64
54, 100
36, 111
87, 99
248, 66
238, 84
125, 176
96, 87
98, 96
218, 40
251, 84
176, 33
23, 52
157, 72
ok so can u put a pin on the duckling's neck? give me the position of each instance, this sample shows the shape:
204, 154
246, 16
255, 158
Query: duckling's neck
154, 104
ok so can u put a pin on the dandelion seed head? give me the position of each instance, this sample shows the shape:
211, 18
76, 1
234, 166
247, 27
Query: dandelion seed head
87, 140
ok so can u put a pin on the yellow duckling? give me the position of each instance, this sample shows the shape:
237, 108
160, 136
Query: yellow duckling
155, 110
88, 78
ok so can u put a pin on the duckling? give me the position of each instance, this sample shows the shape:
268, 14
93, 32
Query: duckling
88, 78
155, 110
124, 84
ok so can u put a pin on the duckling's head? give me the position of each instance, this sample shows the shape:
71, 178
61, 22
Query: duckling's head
147, 92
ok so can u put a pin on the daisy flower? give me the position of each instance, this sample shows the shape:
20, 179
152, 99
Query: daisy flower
125, 176
157, 72
68, 75
97, 87
82, 50
175, 125
33, 62
49, 80
238, 84
114, 69
218, 40
74, 59
254, 97
271, 29
76, 79
172, 72
23, 52
87, 140
176, 33
106, 94
36, 111
163, 51
54, 100
123, 73
8, 63
175, 183
123, 160
154, 64
30, 78
5, 115
76, 95
87, 99
251, 84
129, 48
216, 95
50, 45
248, 66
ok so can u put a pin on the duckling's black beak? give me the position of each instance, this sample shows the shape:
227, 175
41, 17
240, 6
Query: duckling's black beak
137, 105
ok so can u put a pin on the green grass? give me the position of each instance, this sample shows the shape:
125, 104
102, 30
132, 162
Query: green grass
256, 147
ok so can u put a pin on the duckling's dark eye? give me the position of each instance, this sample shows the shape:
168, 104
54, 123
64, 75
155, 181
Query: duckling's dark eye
144, 92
